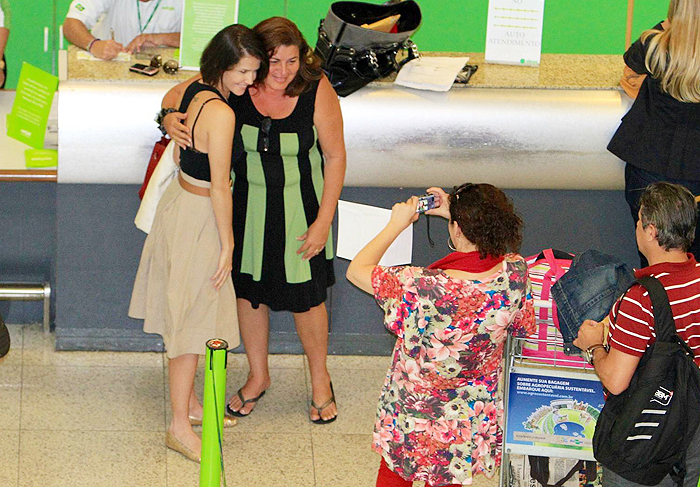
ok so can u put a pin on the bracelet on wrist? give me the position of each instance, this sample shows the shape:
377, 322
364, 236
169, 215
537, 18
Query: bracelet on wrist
89, 46
160, 117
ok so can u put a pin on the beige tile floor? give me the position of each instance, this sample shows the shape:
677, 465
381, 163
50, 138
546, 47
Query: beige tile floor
98, 419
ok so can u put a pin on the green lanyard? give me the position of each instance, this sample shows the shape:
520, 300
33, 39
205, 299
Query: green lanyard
138, 10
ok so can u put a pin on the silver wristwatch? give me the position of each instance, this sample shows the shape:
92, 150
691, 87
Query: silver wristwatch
588, 353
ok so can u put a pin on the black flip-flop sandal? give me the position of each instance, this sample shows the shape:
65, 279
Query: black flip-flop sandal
244, 401
318, 409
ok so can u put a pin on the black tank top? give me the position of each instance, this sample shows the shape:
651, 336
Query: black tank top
192, 162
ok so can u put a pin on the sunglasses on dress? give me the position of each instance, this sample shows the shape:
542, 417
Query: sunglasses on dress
265, 125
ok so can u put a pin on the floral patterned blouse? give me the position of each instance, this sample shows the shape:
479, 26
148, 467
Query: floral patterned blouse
440, 411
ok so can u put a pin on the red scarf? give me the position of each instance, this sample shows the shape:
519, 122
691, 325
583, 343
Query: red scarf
467, 262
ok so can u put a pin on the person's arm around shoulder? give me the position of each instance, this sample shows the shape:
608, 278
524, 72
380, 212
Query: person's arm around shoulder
328, 120
360, 269
82, 16
173, 122
218, 121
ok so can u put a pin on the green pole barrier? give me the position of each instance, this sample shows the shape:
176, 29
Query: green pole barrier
213, 417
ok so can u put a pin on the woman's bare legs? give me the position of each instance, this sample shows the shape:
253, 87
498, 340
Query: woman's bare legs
312, 328
181, 371
195, 407
255, 330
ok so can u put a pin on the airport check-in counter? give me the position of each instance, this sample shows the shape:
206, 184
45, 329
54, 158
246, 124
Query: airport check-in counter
540, 133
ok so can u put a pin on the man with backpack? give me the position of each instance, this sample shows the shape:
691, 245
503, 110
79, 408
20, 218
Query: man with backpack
664, 233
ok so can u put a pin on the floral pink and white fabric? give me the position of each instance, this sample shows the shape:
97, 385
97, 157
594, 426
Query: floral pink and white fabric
439, 415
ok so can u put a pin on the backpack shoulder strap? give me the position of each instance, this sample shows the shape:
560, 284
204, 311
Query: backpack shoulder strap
664, 323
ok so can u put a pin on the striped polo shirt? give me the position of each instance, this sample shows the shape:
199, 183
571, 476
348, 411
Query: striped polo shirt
632, 318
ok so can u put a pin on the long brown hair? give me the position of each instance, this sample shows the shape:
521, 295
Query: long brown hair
278, 31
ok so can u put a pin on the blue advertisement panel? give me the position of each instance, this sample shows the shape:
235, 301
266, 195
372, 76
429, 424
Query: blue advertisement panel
553, 415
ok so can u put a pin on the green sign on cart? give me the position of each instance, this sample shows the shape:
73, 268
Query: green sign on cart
30, 111
201, 20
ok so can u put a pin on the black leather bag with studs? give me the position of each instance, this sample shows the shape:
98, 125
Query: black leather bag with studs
353, 55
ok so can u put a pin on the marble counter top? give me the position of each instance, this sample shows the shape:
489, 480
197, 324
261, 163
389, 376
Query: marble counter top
109, 71
556, 71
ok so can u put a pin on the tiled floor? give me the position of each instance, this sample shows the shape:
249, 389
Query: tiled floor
98, 419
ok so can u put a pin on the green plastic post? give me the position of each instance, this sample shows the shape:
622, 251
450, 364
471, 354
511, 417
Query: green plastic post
213, 417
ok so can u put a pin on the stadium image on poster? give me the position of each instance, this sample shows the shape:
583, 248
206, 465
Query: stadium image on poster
553, 415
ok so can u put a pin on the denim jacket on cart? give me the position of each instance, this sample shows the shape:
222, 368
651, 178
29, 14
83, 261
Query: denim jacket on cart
588, 291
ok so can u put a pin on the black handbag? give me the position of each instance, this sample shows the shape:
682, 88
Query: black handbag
353, 55
4, 338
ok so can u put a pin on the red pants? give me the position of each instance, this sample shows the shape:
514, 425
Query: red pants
388, 478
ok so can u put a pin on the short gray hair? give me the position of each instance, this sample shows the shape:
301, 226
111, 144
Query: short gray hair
671, 208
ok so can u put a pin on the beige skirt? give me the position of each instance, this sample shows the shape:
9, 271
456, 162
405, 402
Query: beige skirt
173, 292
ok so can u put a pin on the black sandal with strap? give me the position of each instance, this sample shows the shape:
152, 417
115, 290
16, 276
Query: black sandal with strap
323, 406
244, 401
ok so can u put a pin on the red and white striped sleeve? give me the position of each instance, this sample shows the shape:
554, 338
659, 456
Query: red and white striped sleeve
632, 322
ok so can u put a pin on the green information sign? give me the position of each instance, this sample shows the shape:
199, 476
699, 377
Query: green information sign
40, 158
201, 20
30, 111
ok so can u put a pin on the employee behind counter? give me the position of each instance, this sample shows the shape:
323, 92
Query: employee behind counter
126, 25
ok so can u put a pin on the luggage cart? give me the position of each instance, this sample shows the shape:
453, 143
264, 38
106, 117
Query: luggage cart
528, 381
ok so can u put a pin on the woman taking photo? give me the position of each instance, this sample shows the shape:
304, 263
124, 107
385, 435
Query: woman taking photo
439, 418
659, 138
288, 171
183, 287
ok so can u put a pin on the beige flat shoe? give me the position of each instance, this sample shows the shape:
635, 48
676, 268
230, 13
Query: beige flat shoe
229, 421
174, 444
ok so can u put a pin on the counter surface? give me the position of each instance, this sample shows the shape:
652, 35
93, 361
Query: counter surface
83, 70
520, 124
556, 71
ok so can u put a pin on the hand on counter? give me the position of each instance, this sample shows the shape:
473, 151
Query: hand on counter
177, 130
143, 40
107, 49
171, 39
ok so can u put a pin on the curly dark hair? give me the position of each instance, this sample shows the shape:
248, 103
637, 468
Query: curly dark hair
279, 31
487, 218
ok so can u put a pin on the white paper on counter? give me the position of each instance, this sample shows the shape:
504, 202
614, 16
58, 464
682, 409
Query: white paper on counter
86, 56
431, 73
358, 224
514, 32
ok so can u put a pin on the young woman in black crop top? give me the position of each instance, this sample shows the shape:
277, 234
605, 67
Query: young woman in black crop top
183, 287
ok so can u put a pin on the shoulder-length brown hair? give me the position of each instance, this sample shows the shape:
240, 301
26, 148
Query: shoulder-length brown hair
227, 48
278, 31
487, 218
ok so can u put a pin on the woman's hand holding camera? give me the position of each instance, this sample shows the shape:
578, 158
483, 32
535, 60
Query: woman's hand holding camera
403, 214
442, 203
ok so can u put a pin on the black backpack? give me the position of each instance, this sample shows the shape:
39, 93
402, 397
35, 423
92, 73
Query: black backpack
643, 433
